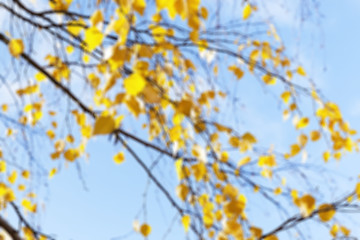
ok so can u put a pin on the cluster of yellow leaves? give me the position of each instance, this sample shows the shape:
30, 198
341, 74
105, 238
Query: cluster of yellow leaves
61, 70
336, 228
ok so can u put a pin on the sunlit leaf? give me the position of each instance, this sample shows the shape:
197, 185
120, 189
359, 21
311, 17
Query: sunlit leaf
16, 47
104, 125
326, 212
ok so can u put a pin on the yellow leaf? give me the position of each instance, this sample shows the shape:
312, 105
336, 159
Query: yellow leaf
233, 228
16, 47
300, 70
237, 71
21, 187
244, 161
185, 107
2, 166
294, 149
104, 125
269, 161
302, 123
286, 96
145, 230
306, 204
179, 168
39, 76
25, 174
277, 191
69, 49
326, 212
42, 237
255, 232
302, 139
326, 156
247, 11
151, 95
134, 105
139, 6
75, 26
315, 135
204, 13
50, 133
96, 18
71, 154
182, 191
134, 84
186, 222
119, 158
344, 230
268, 79
52, 172
13, 176
26, 203
357, 190
334, 230
224, 156
93, 38
199, 170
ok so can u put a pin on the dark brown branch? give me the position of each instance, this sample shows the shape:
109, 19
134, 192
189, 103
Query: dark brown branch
9, 229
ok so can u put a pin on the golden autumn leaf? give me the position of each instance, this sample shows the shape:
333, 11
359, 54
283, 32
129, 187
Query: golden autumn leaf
145, 229
268, 161
139, 6
134, 84
96, 17
300, 70
244, 161
302, 123
182, 191
286, 96
268, 79
52, 172
256, 232
247, 11
326, 156
357, 190
26, 203
237, 71
2, 166
16, 47
294, 149
199, 171
186, 222
315, 135
93, 38
119, 158
25, 174
104, 125
326, 212
12, 177
71, 154
306, 204
345, 230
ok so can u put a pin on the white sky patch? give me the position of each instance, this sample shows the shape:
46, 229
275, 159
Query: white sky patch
279, 11
355, 109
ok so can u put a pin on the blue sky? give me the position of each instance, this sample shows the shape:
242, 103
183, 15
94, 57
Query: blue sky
114, 194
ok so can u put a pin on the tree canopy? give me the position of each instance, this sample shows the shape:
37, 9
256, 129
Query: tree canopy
167, 83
